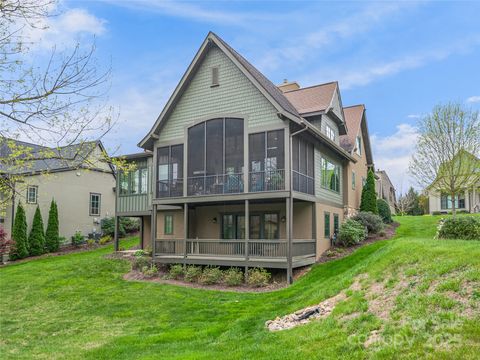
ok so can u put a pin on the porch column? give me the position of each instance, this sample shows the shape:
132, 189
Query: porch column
154, 228
247, 234
289, 225
141, 232
185, 232
115, 234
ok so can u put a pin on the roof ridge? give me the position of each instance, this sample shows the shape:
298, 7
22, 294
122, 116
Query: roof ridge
313, 86
351, 106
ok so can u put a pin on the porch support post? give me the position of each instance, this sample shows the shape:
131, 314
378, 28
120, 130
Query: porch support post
154, 228
141, 232
289, 225
115, 234
247, 234
185, 232
314, 225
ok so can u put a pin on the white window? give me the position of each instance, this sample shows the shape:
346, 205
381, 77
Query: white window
32, 194
358, 145
330, 132
95, 204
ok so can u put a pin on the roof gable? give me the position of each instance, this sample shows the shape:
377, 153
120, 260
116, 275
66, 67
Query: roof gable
267, 88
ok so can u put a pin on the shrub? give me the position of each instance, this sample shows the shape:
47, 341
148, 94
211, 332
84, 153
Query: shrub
108, 227
368, 201
233, 277
90, 242
211, 275
139, 262
192, 273
351, 233
175, 271
52, 242
19, 234
384, 211
105, 239
131, 225
62, 240
78, 239
139, 253
464, 228
258, 277
150, 271
36, 239
372, 222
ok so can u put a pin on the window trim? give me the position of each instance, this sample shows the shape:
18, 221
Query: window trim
330, 132
165, 224
326, 185
28, 193
354, 180
215, 79
326, 229
254, 213
358, 145
99, 204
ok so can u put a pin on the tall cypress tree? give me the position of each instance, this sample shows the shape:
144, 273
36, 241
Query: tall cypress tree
369, 197
19, 235
52, 242
36, 239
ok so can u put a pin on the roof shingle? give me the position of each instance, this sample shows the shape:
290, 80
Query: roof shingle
312, 99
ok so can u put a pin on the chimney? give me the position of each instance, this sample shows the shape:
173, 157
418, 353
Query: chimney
288, 86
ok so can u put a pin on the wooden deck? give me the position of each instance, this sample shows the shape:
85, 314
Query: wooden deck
221, 252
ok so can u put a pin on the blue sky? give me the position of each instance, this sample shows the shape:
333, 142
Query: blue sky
399, 59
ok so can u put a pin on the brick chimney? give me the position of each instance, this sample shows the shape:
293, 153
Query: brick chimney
288, 86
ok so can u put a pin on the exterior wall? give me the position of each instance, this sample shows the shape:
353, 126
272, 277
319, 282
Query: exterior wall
136, 202
326, 120
147, 232
71, 190
361, 170
323, 243
235, 95
6, 217
321, 192
336, 106
472, 201
202, 225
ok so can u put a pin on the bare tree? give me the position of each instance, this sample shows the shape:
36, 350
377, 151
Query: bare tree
405, 203
54, 102
446, 154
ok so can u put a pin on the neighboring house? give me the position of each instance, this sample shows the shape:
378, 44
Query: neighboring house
357, 143
385, 189
78, 179
467, 200
239, 172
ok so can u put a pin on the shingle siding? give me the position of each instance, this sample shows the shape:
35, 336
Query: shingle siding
234, 95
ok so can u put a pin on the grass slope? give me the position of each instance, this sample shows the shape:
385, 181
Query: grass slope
78, 306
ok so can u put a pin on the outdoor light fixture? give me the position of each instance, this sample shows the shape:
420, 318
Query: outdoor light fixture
214, 220
283, 219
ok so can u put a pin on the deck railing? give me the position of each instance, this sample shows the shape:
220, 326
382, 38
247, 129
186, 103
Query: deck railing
303, 183
221, 248
268, 180
215, 184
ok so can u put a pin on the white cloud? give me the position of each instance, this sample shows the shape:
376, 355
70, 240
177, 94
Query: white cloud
393, 152
364, 75
414, 116
65, 29
473, 99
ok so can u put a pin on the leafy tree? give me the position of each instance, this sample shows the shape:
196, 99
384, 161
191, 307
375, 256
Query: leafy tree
19, 235
5, 244
447, 150
52, 239
36, 239
369, 197
415, 208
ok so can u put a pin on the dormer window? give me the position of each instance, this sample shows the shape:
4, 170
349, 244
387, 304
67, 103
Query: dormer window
330, 132
215, 77
358, 146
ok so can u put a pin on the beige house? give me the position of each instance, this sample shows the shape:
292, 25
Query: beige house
80, 182
236, 171
385, 189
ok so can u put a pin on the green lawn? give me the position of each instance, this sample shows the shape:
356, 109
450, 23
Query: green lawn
77, 306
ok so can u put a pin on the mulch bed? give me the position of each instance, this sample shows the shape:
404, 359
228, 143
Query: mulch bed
338, 252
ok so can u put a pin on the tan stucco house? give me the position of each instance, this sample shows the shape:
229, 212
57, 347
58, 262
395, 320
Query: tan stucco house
236, 171
78, 179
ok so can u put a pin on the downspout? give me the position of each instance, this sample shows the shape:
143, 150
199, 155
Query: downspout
290, 205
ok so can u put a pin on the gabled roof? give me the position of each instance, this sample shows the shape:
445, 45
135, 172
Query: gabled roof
266, 87
312, 99
46, 159
356, 120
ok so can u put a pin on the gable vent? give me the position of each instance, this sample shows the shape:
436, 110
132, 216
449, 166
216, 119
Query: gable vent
215, 76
